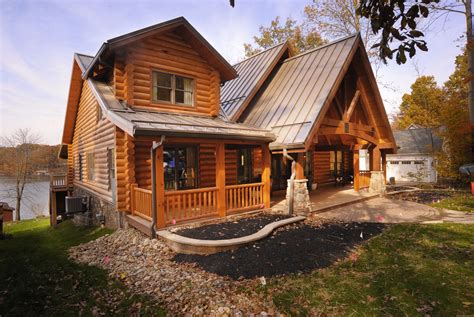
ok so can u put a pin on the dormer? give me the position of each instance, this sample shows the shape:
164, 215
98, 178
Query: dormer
165, 67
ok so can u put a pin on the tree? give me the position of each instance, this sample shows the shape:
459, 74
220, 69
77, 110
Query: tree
299, 38
21, 146
454, 117
423, 105
398, 20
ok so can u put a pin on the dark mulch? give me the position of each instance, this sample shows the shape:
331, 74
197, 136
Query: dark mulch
301, 248
423, 196
231, 229
397, 188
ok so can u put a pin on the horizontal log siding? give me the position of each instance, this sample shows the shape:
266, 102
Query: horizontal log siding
321, 169
143, 163
257, 161
95, 137
230, 167
169, 53
207, 165
125, 161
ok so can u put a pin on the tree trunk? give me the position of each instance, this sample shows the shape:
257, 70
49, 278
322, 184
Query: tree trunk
17, 209
470, 59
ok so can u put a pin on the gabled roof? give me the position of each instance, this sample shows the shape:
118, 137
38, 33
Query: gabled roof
146, 122
417, 141
190, 34
253, 71
296, 94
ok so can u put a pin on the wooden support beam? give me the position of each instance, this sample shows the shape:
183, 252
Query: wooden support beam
300, 166
352, 125
348, 114
220, 179
355, 161
355, 133
160, 189
266, 172
384, 166
375, 157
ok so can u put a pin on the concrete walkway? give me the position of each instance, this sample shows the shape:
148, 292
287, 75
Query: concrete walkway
395, 211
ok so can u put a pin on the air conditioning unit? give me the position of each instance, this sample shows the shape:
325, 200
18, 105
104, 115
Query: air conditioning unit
75, 204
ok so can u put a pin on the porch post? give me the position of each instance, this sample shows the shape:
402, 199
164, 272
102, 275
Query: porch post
300, 166
220, 179
375, 159
266, 171
384, 165
356, 170
160, 189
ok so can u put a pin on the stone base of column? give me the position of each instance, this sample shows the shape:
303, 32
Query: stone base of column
377, 183
301, 202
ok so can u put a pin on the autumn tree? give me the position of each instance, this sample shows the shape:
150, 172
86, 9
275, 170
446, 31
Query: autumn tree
21, 145
455, 120
298, 37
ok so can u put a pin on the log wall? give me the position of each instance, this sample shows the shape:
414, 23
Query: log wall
168, 53
91, 135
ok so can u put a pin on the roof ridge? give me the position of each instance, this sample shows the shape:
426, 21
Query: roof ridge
83, 55
345, 38
259, 53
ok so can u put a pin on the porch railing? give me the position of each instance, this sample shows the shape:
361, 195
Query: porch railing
244, 197
364, 179
182, 205
141, 202
58, 181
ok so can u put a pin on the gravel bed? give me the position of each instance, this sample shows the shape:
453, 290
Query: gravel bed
292, 249
231, 229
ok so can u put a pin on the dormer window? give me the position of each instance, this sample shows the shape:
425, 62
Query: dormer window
175, 89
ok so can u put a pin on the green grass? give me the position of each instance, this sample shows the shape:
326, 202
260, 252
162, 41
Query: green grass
38, 279
408, 270
460, 202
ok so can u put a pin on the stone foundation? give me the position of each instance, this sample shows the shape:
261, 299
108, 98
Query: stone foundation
377, 183
100, 211
301, 202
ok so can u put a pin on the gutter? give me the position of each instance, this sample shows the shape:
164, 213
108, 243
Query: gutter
153, 149
291, 185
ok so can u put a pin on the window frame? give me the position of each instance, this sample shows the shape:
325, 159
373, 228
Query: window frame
173, 89
90, 157
80, 167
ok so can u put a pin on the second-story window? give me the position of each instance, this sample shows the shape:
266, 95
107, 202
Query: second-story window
173, 89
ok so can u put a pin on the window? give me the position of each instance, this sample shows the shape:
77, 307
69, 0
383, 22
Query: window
180, 167
244, 166
173, 89
394, 162
99, 114
406, 162
80, 166
111, 166
418, 162
90, 166
336, 162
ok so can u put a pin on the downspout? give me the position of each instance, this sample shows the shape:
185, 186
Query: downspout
291, 185
153, 149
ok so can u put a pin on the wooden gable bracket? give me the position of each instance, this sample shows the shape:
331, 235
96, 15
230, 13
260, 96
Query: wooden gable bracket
348, 114
356, 133
366, 108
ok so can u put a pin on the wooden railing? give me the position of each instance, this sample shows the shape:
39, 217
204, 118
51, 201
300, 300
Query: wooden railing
58, 181
364, 179
181, 205
244, 197
141, 202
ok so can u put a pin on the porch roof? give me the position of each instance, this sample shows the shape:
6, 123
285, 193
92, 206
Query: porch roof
146, 122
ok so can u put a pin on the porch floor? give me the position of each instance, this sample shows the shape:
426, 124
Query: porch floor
326, 197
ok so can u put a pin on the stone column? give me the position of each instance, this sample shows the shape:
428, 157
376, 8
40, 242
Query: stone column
377, 182
301, 202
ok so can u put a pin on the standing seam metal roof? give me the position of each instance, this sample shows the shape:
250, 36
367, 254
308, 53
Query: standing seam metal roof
250, 71
293, 99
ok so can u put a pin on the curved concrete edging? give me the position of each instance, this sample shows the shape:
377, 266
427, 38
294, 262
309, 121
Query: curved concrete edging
187, 245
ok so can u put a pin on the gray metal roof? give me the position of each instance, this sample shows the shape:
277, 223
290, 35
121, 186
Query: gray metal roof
417, 141
252, 72
143, 122
294, 97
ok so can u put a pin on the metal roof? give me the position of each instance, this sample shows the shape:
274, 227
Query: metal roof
144, 122
292, 101
417, 141
252, 72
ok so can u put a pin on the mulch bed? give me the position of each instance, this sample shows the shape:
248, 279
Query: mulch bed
423, 196
299, 248
397, 188
231, 229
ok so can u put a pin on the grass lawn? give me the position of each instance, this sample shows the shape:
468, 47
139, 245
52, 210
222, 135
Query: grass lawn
38, 279
408, 270
461, 202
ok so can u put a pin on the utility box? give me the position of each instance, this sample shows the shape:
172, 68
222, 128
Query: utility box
75, 205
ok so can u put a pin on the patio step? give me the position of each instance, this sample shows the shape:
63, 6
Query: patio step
140, 224
342, 204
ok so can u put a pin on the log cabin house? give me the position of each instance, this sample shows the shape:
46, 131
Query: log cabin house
161, 129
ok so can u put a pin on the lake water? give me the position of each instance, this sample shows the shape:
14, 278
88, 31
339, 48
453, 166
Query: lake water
35, 200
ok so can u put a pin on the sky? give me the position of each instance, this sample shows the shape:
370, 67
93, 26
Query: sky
38, 39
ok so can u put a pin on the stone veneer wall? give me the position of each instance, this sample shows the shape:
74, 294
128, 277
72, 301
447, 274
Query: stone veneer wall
301, 202
98, 208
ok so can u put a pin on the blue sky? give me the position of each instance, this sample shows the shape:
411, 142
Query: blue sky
38, 39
